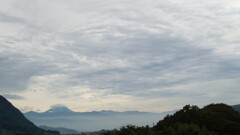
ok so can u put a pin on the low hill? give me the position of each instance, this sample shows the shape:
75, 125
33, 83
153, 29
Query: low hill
214, 119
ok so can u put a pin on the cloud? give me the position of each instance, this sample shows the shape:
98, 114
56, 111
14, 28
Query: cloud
59, 105
10, 19
13, 97
129, 50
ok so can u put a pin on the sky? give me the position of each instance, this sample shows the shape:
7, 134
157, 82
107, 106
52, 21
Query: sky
120, 55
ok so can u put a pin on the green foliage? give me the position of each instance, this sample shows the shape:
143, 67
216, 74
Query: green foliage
213, 119
220, 118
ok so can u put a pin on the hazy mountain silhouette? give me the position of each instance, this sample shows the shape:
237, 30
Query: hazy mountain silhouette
59, 109
62, 130
12, 120
236, 107
62, 116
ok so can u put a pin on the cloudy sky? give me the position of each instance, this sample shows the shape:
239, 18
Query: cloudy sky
146, 55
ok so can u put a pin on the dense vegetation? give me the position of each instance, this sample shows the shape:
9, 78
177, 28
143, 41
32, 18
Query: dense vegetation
214, 119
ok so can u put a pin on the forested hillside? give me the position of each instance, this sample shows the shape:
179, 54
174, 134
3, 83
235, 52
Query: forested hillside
213, 119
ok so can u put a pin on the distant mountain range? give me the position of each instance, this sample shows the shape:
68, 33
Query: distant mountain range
62, 116
236, 107
92, 121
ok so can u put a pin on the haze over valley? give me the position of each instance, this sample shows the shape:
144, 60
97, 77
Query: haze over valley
93, 121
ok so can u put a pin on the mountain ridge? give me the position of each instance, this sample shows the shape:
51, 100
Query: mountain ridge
91, 121
58, 109
65, 111
11, 119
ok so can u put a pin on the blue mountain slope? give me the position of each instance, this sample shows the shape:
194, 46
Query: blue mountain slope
236, 107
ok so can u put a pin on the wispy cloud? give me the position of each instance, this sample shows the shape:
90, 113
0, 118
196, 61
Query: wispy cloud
120, 51
13, 97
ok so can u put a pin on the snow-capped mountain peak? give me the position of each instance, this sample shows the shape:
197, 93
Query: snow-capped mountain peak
58, 109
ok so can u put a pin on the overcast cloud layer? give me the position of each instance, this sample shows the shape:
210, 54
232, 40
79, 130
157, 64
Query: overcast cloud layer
121, 55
